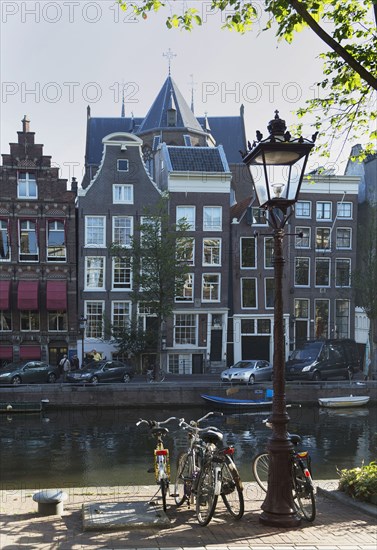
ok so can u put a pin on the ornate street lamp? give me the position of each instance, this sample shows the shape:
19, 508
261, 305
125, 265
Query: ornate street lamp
82, 325
277, 165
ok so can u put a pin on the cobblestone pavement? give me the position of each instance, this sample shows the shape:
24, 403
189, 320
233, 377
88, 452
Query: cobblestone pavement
338, 526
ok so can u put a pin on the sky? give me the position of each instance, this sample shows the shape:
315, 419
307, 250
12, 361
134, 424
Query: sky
57, 57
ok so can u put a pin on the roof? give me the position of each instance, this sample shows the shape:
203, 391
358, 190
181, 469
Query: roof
98, 128
239, 209
169, 96
229, 132
196, 159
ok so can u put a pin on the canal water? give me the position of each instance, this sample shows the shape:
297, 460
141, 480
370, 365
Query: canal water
105, 448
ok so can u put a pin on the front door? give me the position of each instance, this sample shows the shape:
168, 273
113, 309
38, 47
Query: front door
197, 363
216, 344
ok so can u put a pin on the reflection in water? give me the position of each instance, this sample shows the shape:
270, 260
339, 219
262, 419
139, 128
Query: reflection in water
104, 447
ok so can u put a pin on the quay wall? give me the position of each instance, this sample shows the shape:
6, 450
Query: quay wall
142, 395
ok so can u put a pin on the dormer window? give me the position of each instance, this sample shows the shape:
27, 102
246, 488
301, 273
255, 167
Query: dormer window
27, 186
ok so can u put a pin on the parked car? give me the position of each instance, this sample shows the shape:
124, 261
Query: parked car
322, 359
248, 372
102, 371
28, 372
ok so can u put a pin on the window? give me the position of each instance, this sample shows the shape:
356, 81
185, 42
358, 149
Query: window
29, 321
342, 315
120, 314
343, 272
122, 274
321, 321
301, 309
343, 238
263, 326
57, 321
322, 238
185, 329
28, 241
212, 218
186, 214
5, 321
303, 209
269, 292
248, 293
258, 216
4, 240
248, 326
56, 249
322, 272
95, 231
27, 186
211, 287
302, 238
324, 211
123, 193
94, 273
344, 210
122, 230
302, 271
268, 252
94, 314
185, 249
212, 252
186, 291
122, 165
248, 255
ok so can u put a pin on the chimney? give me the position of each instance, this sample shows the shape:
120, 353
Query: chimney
74, 185
25, 124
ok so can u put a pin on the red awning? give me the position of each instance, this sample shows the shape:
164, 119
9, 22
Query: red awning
4, 295
56, 296
27, 297
6, 352
30, 352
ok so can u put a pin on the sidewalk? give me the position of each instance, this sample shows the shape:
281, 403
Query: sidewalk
338, 526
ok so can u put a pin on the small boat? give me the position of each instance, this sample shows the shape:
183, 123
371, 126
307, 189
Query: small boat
23, 407
237, 404
343, 402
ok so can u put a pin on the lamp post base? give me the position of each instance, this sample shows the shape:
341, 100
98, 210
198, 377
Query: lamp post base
280, 520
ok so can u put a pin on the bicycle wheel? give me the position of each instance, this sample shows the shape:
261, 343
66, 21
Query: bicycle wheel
304, 496
260, 470
183, 480
206, 499
231, 489
161, 375
164, 485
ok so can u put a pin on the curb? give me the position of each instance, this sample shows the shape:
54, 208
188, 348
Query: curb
369, 509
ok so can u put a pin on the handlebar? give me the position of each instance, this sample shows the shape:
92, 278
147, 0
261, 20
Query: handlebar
155, 423
195, 423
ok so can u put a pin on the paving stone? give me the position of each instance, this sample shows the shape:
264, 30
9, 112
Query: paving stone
111, 516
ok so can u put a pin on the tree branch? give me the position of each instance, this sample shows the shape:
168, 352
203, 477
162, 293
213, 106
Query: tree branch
333, 44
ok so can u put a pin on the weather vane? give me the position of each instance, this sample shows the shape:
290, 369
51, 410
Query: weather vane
169, 55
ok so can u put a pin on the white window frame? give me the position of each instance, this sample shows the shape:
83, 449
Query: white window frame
61, 321
299, 240
123, 193
5, 238
323, 249
88, 330
347, 334
212, 226
339, 208
32, 257
188, 260
101, 243
91, 271
265, 292
317, 261
126, 317
295, 271
256, 292
5, 321
191, 220
324, 218
348, 260
127, 163
190, 342
188, 284
349, 230
266, 240
128, 268
301, 205
30, 316
56, 258
128, 236
217, 285
254, 243
30, 178
212, 248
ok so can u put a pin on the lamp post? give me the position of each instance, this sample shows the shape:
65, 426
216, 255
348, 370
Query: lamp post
83, 322
277, 165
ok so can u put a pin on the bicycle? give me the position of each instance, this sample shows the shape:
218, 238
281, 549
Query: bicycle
155, 376
205, 471
302, 482
161, 459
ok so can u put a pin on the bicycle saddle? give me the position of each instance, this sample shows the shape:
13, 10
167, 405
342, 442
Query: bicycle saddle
296, 439
159, 431
212, 436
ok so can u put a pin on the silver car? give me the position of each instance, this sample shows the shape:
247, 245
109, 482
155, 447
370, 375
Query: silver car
248, 372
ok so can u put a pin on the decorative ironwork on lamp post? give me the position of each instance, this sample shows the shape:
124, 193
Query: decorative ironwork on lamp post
82, 325
277, 165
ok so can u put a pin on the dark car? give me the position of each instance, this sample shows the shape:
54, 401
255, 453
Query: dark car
323, 359
248, 372
102, 371
28, 372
